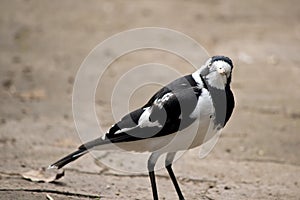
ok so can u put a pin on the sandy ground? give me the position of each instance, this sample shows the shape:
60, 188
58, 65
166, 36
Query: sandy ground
43, 43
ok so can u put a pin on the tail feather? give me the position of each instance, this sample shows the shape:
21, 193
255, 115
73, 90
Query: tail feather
83, 149
69, 158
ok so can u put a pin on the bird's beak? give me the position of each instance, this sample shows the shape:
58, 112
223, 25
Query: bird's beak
222, 71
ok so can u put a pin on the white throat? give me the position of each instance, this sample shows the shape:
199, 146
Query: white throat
216, 80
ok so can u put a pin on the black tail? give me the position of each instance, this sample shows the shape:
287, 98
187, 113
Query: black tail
83, 149
69, 158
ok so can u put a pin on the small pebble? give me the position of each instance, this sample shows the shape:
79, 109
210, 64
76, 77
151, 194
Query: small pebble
3, 121
16, 59
228, 150
71, 80
227, 188
273, 60
26, 70
7, 83
261, 152
242, 148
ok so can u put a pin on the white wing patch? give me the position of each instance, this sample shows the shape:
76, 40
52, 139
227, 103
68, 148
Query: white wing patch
124, 130
144, 119
160, 102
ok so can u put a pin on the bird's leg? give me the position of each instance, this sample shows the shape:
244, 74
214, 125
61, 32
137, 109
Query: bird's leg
151, 164
168, 164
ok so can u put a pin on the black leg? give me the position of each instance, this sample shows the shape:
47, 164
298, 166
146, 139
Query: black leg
169, 160
153, 185
151, 164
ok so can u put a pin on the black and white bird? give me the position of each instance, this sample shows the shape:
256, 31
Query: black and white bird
203, 97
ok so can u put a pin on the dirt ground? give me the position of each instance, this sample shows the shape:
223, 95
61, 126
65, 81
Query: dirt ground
43, 43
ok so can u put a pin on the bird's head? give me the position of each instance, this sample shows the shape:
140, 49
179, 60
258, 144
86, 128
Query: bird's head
217, 71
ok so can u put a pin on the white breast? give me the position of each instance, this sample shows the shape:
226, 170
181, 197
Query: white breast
204, 108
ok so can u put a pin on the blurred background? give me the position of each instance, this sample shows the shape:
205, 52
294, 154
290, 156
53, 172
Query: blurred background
43, 44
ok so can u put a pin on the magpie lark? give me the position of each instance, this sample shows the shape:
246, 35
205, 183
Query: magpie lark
204, 97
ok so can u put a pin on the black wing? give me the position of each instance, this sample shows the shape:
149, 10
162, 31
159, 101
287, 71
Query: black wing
164, 116
178, 84
167, 115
